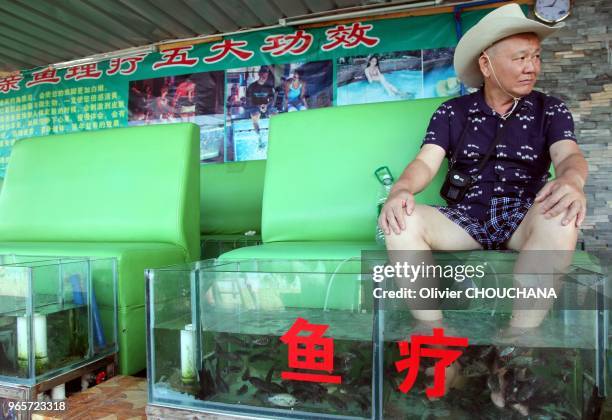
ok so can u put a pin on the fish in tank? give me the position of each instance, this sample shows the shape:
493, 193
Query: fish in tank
495, 381
244, 367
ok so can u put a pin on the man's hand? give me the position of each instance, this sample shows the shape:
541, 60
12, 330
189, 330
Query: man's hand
560, 195
391, 217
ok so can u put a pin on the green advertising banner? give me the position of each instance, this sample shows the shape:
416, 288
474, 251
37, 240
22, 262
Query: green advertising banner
231, 87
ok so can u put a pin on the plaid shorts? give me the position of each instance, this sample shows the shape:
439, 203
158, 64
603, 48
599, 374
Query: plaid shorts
505, 214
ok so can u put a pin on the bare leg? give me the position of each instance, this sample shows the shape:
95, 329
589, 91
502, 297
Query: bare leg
391, 90
540, 269
255, 120
426, 229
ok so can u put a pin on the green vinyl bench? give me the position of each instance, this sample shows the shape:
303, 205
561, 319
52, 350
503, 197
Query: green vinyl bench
128, 193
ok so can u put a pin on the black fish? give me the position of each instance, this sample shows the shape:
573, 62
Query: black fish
261, 395
207, 384
364, 402
526, 390
312, 387
493, 382
244, 388
260, 357
225, 355
246, 374
336, 402
229, 338
230, 369
269, 375
270, 387
4, 360
219, 382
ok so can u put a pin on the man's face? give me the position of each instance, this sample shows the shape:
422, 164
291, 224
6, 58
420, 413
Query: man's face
263, 76
516, 61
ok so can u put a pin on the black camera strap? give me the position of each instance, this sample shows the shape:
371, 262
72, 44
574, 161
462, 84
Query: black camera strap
498, 137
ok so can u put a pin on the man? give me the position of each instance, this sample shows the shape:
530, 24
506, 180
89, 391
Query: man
184, 100
260, 98
510, 204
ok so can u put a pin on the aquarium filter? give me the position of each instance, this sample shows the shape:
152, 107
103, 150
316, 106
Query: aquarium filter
40, 339
188, 370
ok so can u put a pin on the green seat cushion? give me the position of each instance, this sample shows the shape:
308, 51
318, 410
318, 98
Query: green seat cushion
319, 181
230, 197
215, 245
315, 250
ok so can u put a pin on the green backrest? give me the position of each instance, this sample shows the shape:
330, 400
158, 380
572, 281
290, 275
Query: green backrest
137, 184
230, 197
320, 183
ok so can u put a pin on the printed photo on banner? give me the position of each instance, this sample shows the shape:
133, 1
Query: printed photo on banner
439, 78
257, 93
196, 98
391, 76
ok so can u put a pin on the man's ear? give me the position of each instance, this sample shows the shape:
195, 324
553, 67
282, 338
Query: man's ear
485, 66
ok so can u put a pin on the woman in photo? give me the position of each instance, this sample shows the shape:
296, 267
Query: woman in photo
373, 74
295, 93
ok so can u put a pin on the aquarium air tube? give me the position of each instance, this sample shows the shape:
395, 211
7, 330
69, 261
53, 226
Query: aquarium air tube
188, 370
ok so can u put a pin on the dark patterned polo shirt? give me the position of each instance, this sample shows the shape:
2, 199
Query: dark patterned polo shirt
519, 165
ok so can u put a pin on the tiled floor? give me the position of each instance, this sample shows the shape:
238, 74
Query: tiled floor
122, 397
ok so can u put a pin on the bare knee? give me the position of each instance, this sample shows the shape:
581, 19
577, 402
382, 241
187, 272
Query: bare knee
413, 236
550, 233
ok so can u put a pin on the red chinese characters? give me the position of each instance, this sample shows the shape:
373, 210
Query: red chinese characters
176, 57
349, 37
296, 43
229, 46
117, 65
45, 76
85, 71
10, 82
312, 351
414, 350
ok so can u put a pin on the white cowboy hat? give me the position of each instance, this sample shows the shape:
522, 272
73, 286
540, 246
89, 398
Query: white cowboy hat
500, 23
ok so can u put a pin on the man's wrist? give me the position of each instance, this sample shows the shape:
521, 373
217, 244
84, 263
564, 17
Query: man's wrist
401, 190
573, 178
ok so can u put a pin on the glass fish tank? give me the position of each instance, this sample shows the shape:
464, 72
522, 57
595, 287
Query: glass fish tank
261, 338
56, 315
540, 354
317, 339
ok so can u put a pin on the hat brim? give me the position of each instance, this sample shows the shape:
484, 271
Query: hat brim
480, 37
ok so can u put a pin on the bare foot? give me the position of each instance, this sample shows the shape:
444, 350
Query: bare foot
452, 379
